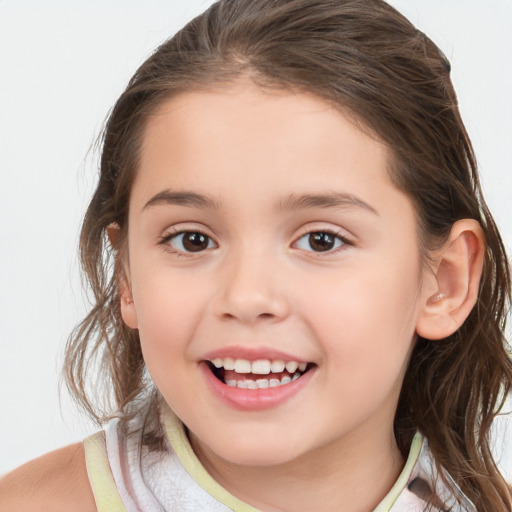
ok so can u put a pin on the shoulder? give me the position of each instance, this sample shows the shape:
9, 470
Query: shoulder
55, 482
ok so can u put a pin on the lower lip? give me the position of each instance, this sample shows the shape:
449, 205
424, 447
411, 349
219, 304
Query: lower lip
254, 399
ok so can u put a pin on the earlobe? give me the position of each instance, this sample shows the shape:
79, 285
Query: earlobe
457, 278
128, 313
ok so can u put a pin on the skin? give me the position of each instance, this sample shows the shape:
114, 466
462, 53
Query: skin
55, 482
352, 311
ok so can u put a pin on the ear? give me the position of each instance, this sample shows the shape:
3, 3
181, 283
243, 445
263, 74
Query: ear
127, 306
457, 278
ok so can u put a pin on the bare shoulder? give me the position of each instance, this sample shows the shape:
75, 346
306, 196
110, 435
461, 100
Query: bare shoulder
54, 482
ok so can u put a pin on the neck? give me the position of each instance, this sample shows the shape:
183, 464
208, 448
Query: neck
351, 474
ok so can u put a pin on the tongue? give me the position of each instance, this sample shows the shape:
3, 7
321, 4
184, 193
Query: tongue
232, 375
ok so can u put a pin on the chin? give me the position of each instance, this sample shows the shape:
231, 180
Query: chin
258, 458
247, 452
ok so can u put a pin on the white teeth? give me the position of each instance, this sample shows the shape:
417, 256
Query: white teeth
229, 363
242, 366
291, 366
261, 367
277, 366
262, 383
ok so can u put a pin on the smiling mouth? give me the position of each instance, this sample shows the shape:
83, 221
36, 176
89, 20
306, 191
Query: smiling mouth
258, 374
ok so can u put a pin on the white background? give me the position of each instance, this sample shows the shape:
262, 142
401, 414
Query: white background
62, 66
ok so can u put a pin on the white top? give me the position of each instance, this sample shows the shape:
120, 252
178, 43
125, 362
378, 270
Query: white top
127, 477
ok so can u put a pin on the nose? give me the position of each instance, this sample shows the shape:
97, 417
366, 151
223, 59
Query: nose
250, 289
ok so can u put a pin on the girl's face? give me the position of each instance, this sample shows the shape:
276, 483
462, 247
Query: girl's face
264, 230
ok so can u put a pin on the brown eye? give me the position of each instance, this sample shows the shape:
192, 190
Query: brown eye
320, 241
191, 241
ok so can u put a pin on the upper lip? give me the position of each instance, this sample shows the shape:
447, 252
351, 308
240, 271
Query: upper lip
252, 354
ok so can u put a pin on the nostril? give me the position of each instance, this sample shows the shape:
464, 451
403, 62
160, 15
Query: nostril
248, 317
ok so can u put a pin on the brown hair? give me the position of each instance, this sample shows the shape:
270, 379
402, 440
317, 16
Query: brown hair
360, 55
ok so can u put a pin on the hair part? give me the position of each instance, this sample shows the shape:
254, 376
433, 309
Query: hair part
364, 57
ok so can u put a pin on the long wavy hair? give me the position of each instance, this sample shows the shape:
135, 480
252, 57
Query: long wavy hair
365, 57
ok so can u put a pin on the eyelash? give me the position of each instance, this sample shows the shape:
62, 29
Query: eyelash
167, 238
336, 235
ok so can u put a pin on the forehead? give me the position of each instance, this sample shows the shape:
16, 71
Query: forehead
279, 142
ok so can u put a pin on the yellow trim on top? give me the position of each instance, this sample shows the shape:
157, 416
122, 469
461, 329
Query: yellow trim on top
397, 489
102, 482
107, 497
180, 444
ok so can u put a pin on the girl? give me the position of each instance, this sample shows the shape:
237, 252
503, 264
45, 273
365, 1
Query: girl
300, 292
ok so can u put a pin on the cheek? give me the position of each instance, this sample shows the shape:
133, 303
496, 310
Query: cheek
166, 326
169, 310
365, 330
367, 314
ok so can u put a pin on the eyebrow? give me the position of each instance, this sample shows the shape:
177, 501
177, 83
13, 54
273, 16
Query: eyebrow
181, 198
292, 202
327, 200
